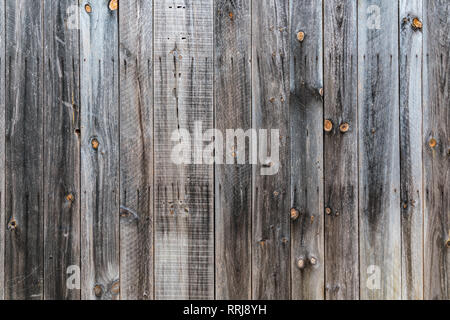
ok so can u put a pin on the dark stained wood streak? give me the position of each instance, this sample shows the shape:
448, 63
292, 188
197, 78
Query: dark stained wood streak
233, 183
341, 150
2, 149
99, 152
136, 149
24, 159
436, 149
379, 154
61, 149
410, 63
306, 125
184, 194
270, 193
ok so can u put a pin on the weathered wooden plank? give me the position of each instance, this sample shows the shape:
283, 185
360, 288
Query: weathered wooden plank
24, 159
410, 61
306, 125
61, 148
270, 192
233, 183
436, 152
341, 150
99, 151
2, 148
184, 214
379, 154
136, 149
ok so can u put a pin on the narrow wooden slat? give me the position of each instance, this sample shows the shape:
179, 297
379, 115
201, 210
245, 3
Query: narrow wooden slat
379, 154
341, 150
24, 159
61, 149
410, 60
99, 151
271, 198
2, 150
436, 152
136, 149
184, 214
233, 182
306, 123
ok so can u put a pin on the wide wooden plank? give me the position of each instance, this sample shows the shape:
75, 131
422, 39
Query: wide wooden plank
410, 61
2, 147
136, 149
270, 190
379, 154
24, 159
61, 149
233, 183
184, 214
306, 125
341, 150
99, 93
436, 152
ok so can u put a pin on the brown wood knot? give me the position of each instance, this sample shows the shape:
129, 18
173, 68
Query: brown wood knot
70, 197
115, 288
113, 5
432, 143
301, 263
313, 261
95, 144
231, 15
98, 290
344, 127
301, 36
321, 92
88, 8
12, 225
295, 214
328, 125
328, 211
417, 24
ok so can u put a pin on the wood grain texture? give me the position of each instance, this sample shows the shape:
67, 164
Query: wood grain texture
61, 149
2, 149
233, 183
306, 125
410, 61
341, 150
99, 152
184, 194
436, 151
379, 154
270, 193
136, 149
24, 159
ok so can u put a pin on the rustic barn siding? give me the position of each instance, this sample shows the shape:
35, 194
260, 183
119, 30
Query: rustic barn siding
358, 208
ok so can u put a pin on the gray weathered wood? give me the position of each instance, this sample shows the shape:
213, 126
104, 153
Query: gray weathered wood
184, 213
136, 149
61, 149
2, 150
379, 154
341, 150
306, 123
436, 139
24, 160
410, 61
99, 152
233, 183
270, 193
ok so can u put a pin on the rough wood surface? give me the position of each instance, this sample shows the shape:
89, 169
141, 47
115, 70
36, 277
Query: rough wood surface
136, 149
233, 183
436, 140
2, 149
24, 159
99, 152
271, 198
306, 123
379, 153
410, 61
184, 212
61, 150
341, 150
